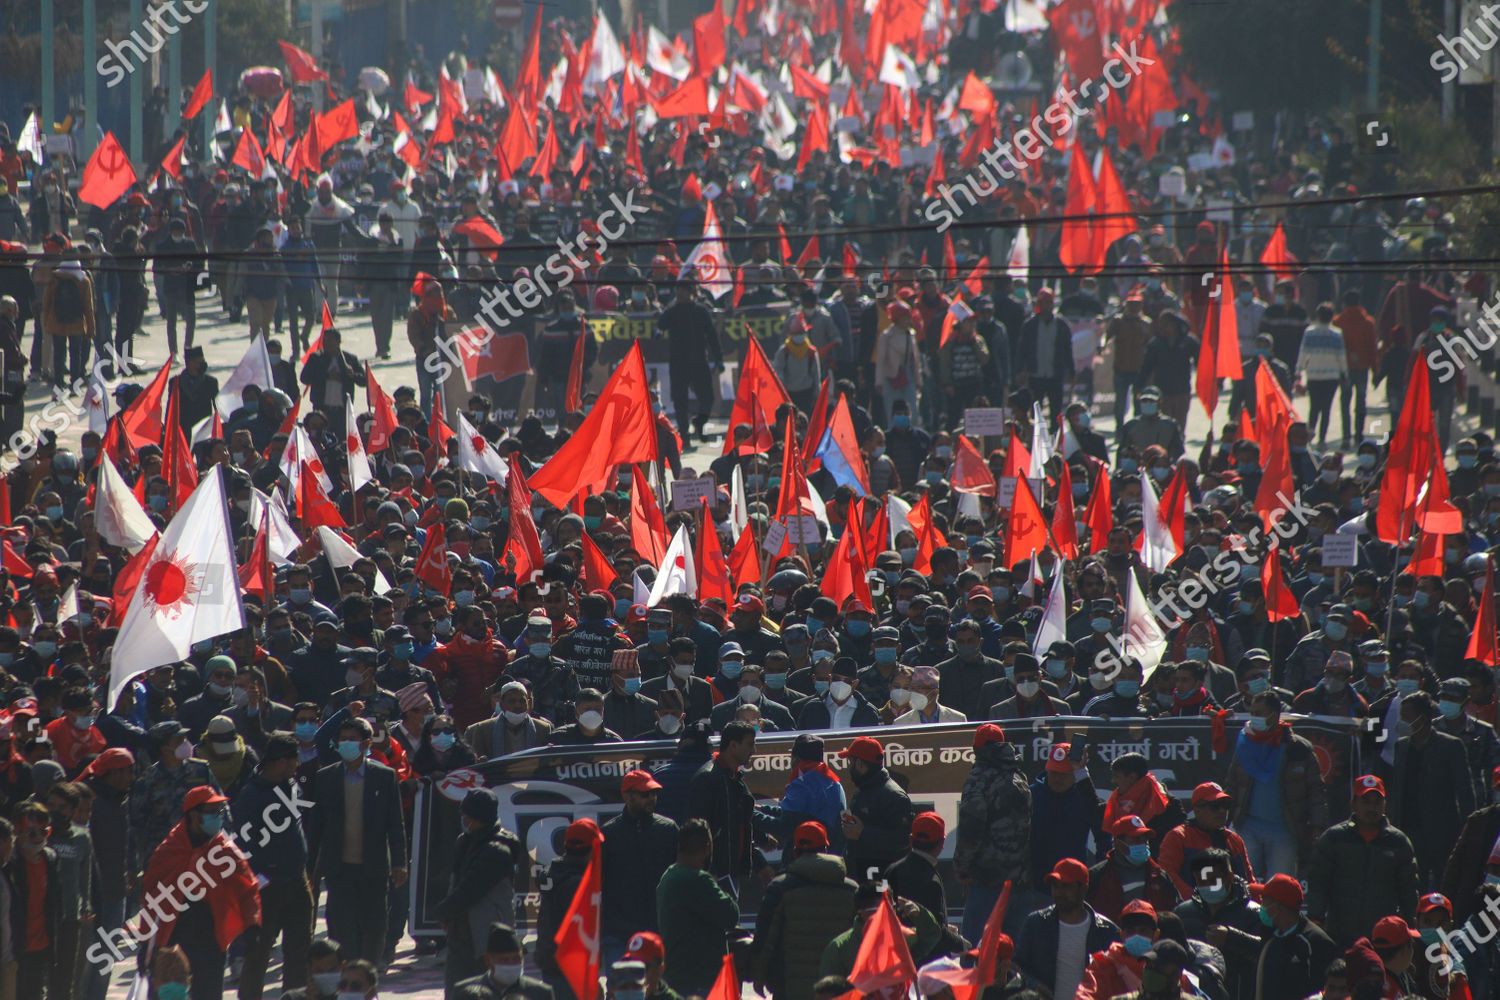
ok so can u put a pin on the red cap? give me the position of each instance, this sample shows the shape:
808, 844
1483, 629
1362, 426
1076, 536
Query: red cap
1069, 871
582, 833
1208, 793
1282, 890
639, 781
645, 947
136, 199
1138, 908
749, 602
1434, 901
899, 310
854, 606
929, 828
112, 759
1129, 826
202, 795
1368, 784
637, 613
810, 836
1392, 932
1057, 759
865, 748
987, 734
979, 592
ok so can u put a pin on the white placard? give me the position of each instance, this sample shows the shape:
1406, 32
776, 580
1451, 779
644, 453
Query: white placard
1172, 184
1005, 495
687, 494
1199, 162
1340, 550
1219, 210
1163, 119
1243, 121
803, 530
775, 537
984, 421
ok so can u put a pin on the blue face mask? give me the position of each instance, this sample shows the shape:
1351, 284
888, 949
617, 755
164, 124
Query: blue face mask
172, 991
1265, 917
1127, 689
349, 750
885, 656
731, 669
776, 681
1137, 945
901, 421
1258, 685
822, 686
1408, 685
463, 598
306, 731
443, 742
632, 685
300, 595
541, 650
46, 650
1451, 709
1315, 578
1001, 594
1335, 630
1213, 894
212, 823
1057, 669
859, 628
1259, 723
157, 502
1246, 607
658, 636
1148, 409
933, 478
622, 609
1197, 652
1421, 599
1128, 465
405, 650
1468, 461
1100, 624
55, 512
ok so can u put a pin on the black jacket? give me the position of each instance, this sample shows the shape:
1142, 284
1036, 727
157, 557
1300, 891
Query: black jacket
886, 811
721, 798
915, 877
815, 715
698, 698
271, 833
635, 853
482, 859
561, 883
385, 831
773, 712
1036, 948
1291, 966
676, 777
15, 870
485, 988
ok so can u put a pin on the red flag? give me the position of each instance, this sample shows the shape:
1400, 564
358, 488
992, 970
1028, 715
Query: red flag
4, 500
619, 429
977, 97
384, 410
13, 563
989, 941
1075, 31
249, 156
598, 574
1427, 557
938, 174
1277, 257
524, 544
256, 575
845, 442
791, 498
517, 141
1064, 520
141, 420
817, 424
172, 162
1219, 349
1483, 644
970, 472
415, 97
125, 584
648, 530
337, 124
883, 959
573, 397
203, 90
439, 433
1076, 251
744, 559
481, 236
1171, 509
303, 67
317, 345
432, 563
1438, 516
1280, 601
1277, 485
974, 283
688, 100
578, 938
1026, 530
1117, 216
1099, 515
177, 463
314, 509
529, 78
814, 138
708, 41
727, 986
107, 175
929, 538
847, 574
713, 571
1411, 459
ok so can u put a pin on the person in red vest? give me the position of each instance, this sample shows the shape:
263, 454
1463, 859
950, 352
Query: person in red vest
228, 902
1129, 874
467, 665
1206, 829
1116, 971
74, 735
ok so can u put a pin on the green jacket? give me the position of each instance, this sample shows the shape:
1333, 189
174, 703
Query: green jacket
800, 913
838, 957
696, 917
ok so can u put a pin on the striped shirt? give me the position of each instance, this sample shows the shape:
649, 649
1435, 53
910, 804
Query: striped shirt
1322, 358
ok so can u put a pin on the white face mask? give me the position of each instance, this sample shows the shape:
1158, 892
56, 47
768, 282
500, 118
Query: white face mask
1028, 689
326, 983
682, 671
515, 718
918, 701
840, 690
750, 693
1099, 681
184, 750
506, 975
669, 724
900, 696
591, 720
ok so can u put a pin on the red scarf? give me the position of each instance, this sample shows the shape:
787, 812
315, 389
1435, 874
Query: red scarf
1271, 737
1145, 799
234, 899
801, 767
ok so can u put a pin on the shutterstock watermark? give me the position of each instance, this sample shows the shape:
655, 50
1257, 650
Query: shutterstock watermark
1443, 361
1476, 40
114, 62
1178, 601
533, 289
60, 411
1028, 144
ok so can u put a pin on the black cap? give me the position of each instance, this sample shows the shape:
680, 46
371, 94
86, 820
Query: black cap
397, 633
698, 734
1167, 950
1025, 661
481, 804
502, 939
847, 667
163, 731
281, 746
807, 747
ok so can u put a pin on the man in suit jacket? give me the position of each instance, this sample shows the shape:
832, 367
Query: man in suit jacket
752, 692
357, 837
512, 729
1431, 774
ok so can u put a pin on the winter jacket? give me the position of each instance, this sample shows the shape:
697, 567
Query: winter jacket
1352, 883
1444, 794
1107, 887
554, 686
628, 714
1463, 876
637, 852
1293, 965
274, 853
473, 665
916, 877
675, 778
960, 682
720, 797
815, 715
485, 988
994, 819
1186, 841
696, 917
1237, 911
1036, 947
812, 796
886, 811
561, 881
1028, 348
801, 912
839, 956
481, 890
1304, 797
81, 324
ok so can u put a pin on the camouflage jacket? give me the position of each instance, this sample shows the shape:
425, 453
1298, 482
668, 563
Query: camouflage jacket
156, 803
994, 819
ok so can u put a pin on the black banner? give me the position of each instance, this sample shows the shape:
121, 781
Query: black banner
542, 791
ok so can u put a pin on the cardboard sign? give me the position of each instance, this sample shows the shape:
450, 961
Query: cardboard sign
803, 530
1340, 550
775, 536
1243, 121
1172, 184
688, 494
985, 421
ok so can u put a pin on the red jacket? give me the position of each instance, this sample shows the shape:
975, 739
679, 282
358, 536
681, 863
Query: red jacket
1185, 842
474, 665
1106, 895
225, 877
73, 744
1113, 973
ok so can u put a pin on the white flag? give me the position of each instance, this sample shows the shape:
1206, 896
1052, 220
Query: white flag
189, 591
662, 56
1144, 639
896, 510
492, 89
203, 430
254, 369
1018, 262
676, 574
31, 139
606, 58
898, 69
98, 402
299, 449
1158, 548
359, 462
739, 511
118, 516
223, 123
284, 540
67, 605
477, 455
710, 259
342, 555
1054, 623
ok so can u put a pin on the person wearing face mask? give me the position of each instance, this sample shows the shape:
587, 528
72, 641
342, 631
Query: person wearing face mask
842, 705
718, 794
229, 906
587, 727
1044, 353
626, 710
554, 686
1280, 803
751, 690
481, 886
1150, 427
157, 796
468, 664
320, 668
324, 967
1121, 696
1333, 694
1432, 788
697, 693
1477, 736
216, 698
877, 824
505, 959
1221, 907
1183, 846
399, 670
440, 751
229, 758
1129, 876
796, 362
74, 736
1438, 627
1112, 972
360, 685
639, 846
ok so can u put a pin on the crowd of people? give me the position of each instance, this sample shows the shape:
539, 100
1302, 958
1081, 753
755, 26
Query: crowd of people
276, 768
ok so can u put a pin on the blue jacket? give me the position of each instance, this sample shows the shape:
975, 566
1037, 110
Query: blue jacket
675, 776
1036, 948
1061, 824
811, 795
270, 832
